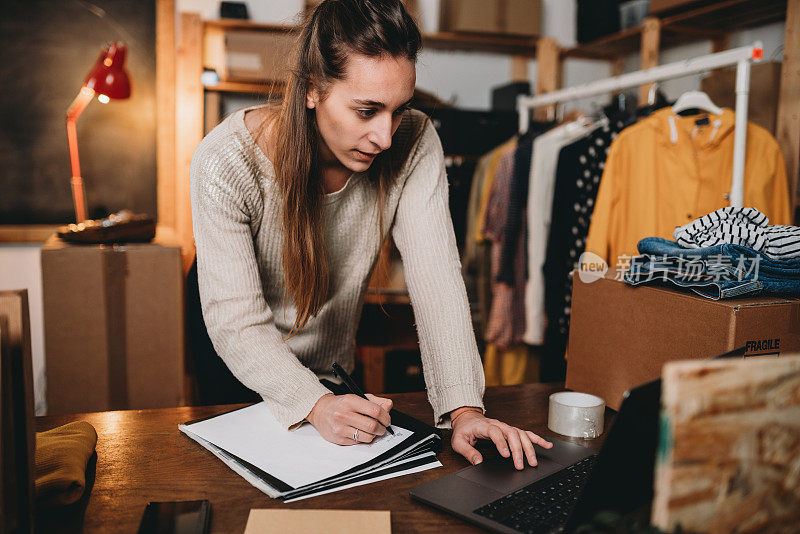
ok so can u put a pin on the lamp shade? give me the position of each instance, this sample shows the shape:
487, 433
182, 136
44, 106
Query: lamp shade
108, 76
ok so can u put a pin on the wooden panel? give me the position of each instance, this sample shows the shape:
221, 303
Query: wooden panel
788, 129
214, 51
374, 369
729, 453
17, 439
188, 124
651, 42
165, 111
721, 43
28, 233
250, 88
618, 66
9, 511
519, 68
548, 72
211, 110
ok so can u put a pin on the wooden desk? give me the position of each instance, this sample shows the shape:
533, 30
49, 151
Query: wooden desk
141, 457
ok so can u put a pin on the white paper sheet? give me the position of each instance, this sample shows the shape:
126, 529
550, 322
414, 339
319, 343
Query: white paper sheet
297, 457
259, 484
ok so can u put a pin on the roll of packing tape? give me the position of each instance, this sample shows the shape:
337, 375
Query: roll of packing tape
578, 415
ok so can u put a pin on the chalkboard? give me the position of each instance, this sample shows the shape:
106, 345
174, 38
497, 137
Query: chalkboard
47, 47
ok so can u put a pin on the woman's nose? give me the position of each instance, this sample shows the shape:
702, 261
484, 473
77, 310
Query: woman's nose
381, 134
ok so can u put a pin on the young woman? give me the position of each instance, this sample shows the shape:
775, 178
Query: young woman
291, 204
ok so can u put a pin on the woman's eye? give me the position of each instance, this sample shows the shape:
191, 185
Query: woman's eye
366, 113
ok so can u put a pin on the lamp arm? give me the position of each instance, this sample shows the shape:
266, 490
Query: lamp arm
73, 113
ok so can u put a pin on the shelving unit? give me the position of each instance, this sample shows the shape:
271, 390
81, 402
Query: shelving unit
470, 42
710, 22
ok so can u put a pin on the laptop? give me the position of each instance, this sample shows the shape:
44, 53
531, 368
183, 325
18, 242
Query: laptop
571, 483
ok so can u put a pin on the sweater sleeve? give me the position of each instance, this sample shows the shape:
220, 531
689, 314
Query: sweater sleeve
239, 321
423, 233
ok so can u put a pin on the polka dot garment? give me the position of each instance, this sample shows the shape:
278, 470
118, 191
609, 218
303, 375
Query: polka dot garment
580, 167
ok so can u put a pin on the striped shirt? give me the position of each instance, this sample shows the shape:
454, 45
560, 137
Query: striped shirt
741, 226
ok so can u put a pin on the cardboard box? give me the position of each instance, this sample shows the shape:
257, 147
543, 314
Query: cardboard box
257, 56
113, 325
515, 17
765, 84
412, 7
621, 336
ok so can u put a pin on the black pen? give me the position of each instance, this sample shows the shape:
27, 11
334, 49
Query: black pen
354, 389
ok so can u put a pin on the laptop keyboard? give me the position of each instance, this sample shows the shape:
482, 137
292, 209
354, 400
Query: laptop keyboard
544, 505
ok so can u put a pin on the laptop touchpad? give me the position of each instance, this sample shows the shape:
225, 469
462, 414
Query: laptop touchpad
499, 473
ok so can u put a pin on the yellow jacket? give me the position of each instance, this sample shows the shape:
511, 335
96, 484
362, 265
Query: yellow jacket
665, 171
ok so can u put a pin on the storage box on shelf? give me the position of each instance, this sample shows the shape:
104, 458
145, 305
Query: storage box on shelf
240, 52
514, 17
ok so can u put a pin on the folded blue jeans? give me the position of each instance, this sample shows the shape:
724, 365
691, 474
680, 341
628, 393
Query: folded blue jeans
719, 271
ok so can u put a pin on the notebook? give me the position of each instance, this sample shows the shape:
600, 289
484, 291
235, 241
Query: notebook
297, 464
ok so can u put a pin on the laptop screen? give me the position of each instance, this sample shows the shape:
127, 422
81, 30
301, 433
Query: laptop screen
622, 479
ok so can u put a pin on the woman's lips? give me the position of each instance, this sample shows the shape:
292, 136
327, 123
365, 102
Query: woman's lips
365, 155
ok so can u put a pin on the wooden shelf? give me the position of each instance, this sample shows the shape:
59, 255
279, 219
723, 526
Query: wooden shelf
498, 44
728, 16
703, 23
607, 47
231, 24
246, 87
471, 42
28, 233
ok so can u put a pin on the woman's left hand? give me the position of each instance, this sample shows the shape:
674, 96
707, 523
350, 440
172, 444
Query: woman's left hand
471, 426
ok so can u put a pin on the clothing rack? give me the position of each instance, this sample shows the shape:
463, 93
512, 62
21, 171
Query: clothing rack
741, 57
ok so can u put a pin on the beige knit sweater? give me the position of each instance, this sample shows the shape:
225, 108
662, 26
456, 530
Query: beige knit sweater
239, 238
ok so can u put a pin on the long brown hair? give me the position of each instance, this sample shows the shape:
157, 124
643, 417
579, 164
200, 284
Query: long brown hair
335, 29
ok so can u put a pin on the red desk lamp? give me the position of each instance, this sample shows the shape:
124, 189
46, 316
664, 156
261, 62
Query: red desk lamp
108, 79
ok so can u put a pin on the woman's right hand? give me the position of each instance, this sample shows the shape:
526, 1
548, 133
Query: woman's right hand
337, 417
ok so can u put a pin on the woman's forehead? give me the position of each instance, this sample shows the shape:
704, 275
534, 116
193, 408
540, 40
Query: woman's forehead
385, 79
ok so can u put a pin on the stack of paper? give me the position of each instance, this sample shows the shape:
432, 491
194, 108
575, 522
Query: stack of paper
297, 464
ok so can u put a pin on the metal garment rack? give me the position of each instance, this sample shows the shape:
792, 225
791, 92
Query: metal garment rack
741, 57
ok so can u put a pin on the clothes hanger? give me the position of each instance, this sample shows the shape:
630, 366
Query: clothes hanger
651, 95
560, 113
695, 100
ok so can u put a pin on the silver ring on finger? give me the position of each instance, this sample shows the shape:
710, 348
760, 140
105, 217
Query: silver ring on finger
355, 436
